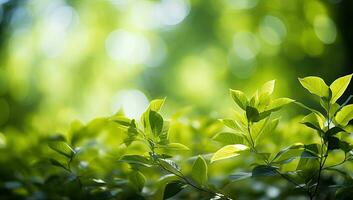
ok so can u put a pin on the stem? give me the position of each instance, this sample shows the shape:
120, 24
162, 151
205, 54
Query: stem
323, 156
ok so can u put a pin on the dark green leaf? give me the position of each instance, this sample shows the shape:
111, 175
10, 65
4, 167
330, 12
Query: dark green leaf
137, 179
156, 122
173, 188
252, 114
240, 176
264, 170
333, 143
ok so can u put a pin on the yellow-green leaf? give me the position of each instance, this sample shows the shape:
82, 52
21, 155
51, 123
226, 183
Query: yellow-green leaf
268, 87
156, 104
239, 98
344, 115
228, 152
339, 86
199, 171
315, 85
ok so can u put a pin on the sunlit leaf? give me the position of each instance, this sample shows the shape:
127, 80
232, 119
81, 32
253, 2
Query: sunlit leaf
136, 159
174, 147
313, 121
228, 138
156, 104
339, 86
279, 103
239, 98
228, 152
315, 85
267, 88
63, 148
344, 115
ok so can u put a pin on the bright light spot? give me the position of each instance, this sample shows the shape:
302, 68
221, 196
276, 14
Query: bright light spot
242, 4
2, 140
127, 47
133, 103
58, 20
272, 30
241, 68
246, 45
197, 78
272, 192
172, 12
325, 29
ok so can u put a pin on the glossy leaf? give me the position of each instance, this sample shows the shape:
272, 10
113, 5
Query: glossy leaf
315, 85
313, 121
63, 148
228, 152
239, 98
264, 170
339, 86
199, 171
267, 88
173, 188
279, 103
344, 115
156, 122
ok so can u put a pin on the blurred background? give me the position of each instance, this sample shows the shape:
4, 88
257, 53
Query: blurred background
65, 60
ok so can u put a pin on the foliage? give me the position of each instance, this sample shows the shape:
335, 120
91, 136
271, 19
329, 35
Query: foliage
117, 157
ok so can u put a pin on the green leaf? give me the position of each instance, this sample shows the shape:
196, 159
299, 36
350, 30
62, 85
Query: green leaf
240, 176
282, 155
122, 120
137, 179
315, 85
174, 147
173, 188
333, 143
239, 98
228, 152
156, 104
252, 114
333, 131
267, 88
268, 127
264, 170
137, 160
228, 138
57, 163
156, 122
170, 166
199, 171
313, 121
278, 104
339, 86
63, 148
344, 115
232, 124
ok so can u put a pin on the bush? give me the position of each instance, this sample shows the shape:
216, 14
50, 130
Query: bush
152, 158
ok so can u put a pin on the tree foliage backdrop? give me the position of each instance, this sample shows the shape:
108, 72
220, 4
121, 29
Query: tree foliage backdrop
78, 80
